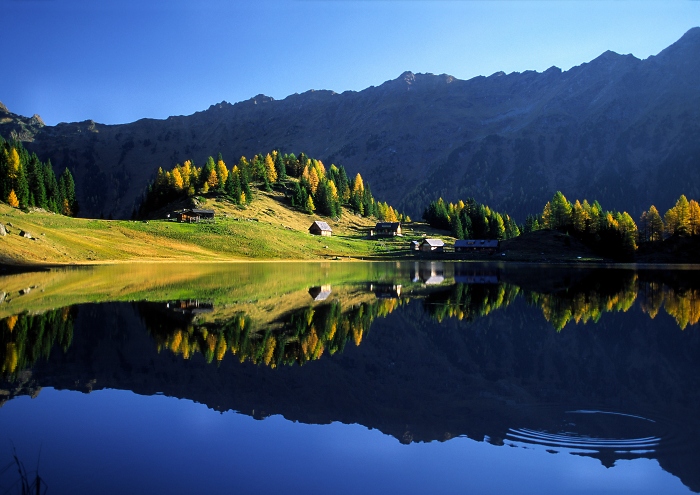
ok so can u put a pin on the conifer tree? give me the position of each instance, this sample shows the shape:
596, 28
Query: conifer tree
694, 217
177, 182
12, 199
37, 188
247, 193
221, 173
280, 166
457, 229
310, 208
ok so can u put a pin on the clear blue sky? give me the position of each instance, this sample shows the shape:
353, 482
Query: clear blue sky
118, 61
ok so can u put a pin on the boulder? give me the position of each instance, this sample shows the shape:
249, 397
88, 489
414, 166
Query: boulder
3, 230
25, 234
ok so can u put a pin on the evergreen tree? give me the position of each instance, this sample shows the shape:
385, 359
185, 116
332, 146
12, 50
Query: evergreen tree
280, 167
245, 186
457, 229
35, 175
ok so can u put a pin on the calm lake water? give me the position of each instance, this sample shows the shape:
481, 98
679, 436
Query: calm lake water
351, 378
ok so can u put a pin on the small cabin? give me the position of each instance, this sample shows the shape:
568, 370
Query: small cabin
432, 246
386, 229
476, 245
415, 246
320, 228
194, 215
320, 293
386, 291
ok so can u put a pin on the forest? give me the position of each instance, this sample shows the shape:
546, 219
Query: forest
307, 184
26, 182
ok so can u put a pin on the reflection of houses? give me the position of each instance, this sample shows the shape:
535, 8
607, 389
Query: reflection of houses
432, 246
386, 291
320, 228
465, 274
386, 229
194, 215
432, 273
476, 245
320, 293
190, 307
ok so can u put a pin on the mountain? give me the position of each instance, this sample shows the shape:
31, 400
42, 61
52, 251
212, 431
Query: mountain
617, 129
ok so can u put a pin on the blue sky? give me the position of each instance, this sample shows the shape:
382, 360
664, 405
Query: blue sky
116, 62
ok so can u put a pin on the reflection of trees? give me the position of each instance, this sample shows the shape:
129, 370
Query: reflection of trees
682, 304
469, 302
583, 302
586, 303
25, 338
301, 336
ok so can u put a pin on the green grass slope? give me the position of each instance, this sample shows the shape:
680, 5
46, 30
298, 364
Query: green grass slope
267, 229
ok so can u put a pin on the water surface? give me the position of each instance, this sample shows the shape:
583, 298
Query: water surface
317, 378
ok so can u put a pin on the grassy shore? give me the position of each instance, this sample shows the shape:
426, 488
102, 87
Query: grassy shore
266, 230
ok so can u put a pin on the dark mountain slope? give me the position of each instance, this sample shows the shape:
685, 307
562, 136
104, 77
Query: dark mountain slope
617, 129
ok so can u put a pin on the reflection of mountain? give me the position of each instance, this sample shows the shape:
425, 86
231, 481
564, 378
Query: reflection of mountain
419, 380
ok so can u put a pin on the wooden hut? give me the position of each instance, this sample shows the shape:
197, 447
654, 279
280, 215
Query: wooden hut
432, 246
386, 229
320, 228
194, 215
476, 245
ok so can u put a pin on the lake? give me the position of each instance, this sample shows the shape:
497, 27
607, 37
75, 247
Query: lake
422, 377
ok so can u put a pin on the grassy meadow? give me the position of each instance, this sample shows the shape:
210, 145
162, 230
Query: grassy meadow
265, 230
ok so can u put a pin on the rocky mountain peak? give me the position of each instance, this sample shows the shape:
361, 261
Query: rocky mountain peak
3, 108
685, 50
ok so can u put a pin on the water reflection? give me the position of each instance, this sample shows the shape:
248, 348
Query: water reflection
590, 362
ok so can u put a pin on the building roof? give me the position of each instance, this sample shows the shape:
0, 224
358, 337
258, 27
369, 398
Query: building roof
485, 243
322, 225
388, 225
434, 242
202, 212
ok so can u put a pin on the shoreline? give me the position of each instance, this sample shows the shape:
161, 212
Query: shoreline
15, 268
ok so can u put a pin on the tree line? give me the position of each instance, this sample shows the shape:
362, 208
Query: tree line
683, 219
610, 233
470, 220
26, 182
307, 184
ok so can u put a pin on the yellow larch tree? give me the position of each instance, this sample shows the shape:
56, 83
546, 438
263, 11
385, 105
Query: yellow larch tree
14, 164
186, 172
358, 185
212, 180
176, 180
313, 180
12, 199
694, 212
270, 169
222, 172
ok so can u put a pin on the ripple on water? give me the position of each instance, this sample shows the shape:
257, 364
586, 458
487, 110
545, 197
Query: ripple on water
609, 434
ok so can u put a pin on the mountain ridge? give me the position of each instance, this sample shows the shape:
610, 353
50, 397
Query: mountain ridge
618, 129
